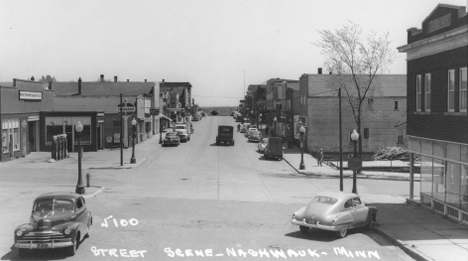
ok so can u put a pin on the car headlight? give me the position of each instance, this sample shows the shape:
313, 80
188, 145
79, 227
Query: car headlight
67, 231
19, 232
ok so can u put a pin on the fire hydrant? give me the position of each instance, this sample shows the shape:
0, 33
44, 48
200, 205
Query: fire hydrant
88, 178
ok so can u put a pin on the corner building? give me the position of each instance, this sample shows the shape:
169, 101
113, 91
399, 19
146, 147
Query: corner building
437, 120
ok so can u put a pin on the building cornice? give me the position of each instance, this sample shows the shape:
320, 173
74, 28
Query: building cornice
450, 40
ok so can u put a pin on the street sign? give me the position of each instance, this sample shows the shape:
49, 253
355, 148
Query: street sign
126, 109
355, 164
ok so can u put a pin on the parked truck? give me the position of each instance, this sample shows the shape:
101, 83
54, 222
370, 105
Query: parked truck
225, 135
274, 148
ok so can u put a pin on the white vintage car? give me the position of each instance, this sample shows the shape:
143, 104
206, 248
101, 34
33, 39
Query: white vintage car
335, 211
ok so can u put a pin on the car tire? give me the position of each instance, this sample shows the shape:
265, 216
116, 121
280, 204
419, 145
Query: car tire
342, 233
370, 224
90, 222
304, 229
71, 250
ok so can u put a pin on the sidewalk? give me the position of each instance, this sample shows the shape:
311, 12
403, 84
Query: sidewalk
102, 159
422, 234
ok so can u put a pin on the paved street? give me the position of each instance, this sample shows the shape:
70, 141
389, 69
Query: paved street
201, 199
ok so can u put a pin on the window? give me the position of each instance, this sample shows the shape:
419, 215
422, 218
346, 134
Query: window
427, 92
396, 105
418, 93
463, 89
16, 139
366, 133
451, 91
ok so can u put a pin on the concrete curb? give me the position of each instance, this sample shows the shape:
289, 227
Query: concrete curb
100, 190
402, 245
125, 166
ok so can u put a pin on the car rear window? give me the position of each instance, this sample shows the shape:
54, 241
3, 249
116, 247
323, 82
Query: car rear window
325, 200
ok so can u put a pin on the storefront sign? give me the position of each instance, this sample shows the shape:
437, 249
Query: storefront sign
27, 95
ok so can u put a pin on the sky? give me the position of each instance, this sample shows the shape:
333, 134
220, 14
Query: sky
219, 46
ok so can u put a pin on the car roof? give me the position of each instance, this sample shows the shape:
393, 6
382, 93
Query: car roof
340, 195
64, 195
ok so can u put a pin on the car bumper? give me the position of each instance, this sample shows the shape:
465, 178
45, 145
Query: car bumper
43, 246
318, 225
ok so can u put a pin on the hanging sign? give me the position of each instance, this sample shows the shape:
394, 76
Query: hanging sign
126, 109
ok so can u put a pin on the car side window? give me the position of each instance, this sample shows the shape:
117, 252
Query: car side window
348, 203
79, 204
356, 202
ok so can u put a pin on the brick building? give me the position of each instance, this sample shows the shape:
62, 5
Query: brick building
383, 123
437, 60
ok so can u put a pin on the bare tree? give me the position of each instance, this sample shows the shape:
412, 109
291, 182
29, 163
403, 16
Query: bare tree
356, 63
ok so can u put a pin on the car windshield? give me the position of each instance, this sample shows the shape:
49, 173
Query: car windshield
325, 200
255, 133
171, 134
50, 207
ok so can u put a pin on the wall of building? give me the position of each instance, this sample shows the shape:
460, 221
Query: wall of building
323, 124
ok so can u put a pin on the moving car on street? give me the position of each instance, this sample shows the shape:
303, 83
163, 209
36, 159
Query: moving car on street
225, 135
58, 220
335, 211
274, 148
171, 139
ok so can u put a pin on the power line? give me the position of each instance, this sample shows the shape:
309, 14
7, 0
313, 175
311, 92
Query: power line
211, 96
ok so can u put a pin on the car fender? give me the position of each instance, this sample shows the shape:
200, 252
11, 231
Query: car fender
344, 219
300, 214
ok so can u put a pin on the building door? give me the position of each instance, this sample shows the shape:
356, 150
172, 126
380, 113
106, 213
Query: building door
32, 136
12, 153
100, 136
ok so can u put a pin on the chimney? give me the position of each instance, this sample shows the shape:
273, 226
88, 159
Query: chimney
330, 73
115, 78
128, 80
14, 82
319, 71
163, 80
102, 77
79, 86
145, 80
50, 85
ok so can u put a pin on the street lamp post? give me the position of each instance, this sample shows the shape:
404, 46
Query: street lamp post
302, 131
260, 122
274, 122
160, 132
133, 160
355, 138
80, 189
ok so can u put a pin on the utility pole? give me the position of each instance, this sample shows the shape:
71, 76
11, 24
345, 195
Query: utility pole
121, 130
341, 142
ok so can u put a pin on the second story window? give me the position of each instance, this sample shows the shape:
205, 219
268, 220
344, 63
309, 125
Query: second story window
427, 92
396, 105
418, 93
451, 91
463, 90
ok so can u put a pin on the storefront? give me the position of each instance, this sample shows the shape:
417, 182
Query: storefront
444, 180
20, 106
55, 123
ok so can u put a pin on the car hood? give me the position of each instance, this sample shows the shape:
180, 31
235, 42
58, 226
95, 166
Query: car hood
45, 221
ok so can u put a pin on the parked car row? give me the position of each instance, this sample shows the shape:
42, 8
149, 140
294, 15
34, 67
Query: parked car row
181, 132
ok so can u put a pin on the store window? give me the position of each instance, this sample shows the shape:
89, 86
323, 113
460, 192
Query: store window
426, 175
427, 92
4, 140
16, 139
463, 90
438, 189
453, 184
418, 93
451, 91
10, 135
464, 187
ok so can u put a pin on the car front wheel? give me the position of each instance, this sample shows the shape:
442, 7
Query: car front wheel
72, 249
342, 233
